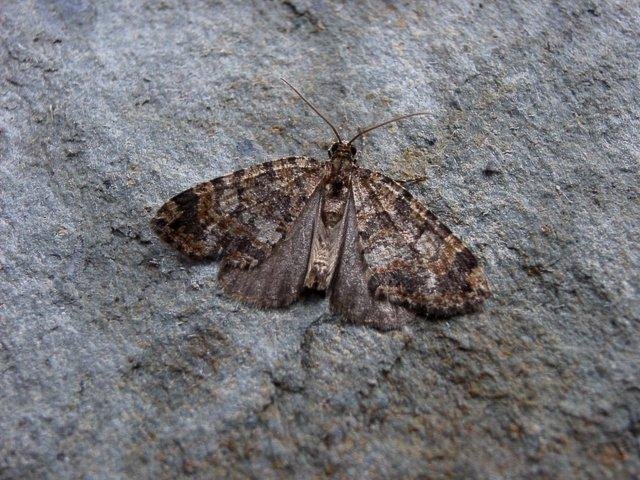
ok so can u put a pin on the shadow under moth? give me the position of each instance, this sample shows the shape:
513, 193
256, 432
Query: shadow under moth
297, 223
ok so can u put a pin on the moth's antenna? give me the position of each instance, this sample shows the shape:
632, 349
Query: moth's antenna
394, 119
314, 109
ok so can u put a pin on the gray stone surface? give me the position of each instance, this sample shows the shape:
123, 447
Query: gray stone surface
120, 360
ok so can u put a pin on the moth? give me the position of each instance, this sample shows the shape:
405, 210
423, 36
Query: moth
297, 223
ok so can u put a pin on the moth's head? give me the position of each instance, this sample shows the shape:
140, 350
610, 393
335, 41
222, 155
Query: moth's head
342, 149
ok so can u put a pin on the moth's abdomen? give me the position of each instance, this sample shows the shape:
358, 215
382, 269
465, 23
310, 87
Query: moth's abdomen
328, 237
318, 275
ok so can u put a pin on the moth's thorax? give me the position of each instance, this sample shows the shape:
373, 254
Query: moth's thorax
342, 155
338, 184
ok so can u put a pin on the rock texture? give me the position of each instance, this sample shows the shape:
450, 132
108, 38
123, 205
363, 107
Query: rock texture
120, 360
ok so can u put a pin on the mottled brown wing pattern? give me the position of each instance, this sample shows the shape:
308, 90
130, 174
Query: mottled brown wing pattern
349, 293
412, 259
240, 216
279, 279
